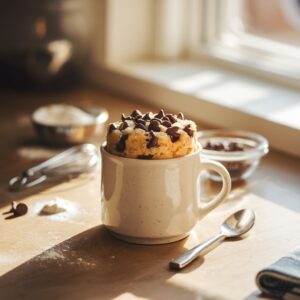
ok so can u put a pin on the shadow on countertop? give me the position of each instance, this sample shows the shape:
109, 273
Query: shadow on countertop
94, 265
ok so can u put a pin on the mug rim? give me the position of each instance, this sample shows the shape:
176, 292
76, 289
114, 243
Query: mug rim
163, 160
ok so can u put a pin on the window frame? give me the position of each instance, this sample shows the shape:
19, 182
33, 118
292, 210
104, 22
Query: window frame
123, 71
251, 54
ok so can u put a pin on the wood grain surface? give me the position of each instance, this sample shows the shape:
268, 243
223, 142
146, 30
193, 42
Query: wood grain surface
74, 257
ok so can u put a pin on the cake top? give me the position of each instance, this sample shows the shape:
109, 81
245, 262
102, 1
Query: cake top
152, 135
150, 122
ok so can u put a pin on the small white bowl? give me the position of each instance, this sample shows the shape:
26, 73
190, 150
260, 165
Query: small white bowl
64, 134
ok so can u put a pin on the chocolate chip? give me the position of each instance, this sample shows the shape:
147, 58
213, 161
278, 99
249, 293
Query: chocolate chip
153, 140
140, 121
147, 117
218, 147
165, 118
188, 130
154, 125
156, 119
223, 146
172, 132
161, 114
112, 127
174, 138
140, 126
232, 146
214, 146
172, 118
166, 123
145, 156
180, 116
123, 125
21, 209
123, 117
136, 113
121, 145
207, 146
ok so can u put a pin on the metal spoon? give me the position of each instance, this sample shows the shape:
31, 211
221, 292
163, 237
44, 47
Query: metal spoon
235, 225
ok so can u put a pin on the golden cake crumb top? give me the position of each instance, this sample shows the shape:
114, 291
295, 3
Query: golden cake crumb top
152, 136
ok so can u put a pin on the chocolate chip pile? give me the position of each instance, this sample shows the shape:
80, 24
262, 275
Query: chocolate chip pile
236, 169
227, 147
136, 135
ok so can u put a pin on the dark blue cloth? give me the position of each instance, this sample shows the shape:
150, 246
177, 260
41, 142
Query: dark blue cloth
282, 279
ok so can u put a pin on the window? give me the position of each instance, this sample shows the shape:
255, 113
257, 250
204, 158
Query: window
190, 55
275, 20
260, 35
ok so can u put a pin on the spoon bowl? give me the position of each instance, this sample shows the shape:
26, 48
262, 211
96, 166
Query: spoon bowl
238, 223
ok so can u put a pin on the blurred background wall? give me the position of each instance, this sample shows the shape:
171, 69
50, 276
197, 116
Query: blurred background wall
44, 43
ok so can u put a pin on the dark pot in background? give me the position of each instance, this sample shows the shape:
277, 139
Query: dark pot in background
43, 44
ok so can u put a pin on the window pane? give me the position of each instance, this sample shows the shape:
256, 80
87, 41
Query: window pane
278, 20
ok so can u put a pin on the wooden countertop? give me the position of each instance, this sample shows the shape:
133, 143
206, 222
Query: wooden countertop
73, 257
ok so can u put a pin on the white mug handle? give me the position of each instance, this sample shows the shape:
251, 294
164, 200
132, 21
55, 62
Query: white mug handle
226, 185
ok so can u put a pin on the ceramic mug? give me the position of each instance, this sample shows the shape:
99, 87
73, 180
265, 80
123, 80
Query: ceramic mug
156, 201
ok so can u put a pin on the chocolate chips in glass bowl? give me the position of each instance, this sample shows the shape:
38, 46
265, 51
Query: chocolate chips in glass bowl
239, 151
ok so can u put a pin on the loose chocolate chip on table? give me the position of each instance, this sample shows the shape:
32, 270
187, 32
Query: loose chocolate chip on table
166, 123
140, 126
123, 125
180, 116
188, 130
145, 156
112, 127
136, 113
121, 145
161, 114
172, 118
19, 209
154, 125
153, 140
173, 133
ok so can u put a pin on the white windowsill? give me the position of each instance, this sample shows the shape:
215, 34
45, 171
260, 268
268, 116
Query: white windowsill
212, 95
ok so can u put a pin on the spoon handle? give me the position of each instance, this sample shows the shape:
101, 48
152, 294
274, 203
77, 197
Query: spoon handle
192, 254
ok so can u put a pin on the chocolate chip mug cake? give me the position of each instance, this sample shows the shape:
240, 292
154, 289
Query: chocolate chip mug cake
150, 192
152, 136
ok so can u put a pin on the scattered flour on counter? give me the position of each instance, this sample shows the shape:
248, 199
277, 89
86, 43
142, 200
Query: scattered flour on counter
69, 209
63, 256
51, 209
51, 254
6, 259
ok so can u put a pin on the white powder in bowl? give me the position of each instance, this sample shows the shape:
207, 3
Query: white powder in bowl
62, 115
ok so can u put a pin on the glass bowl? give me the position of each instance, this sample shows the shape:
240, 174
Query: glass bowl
239, 151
